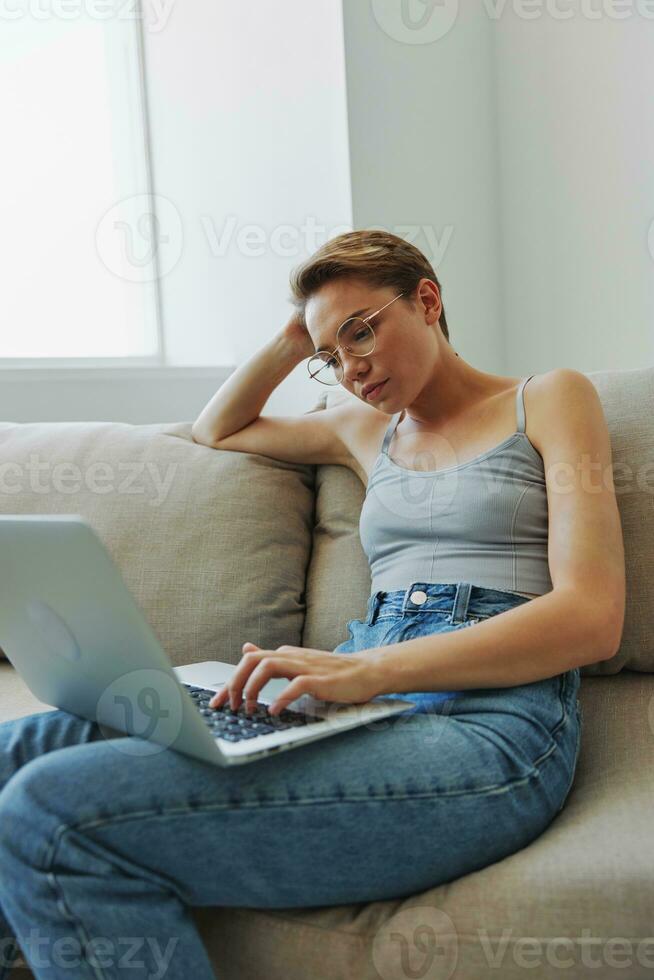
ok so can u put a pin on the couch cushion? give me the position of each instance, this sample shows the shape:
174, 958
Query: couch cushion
213, 545
338, 580
16, 699
627, 399
338, 576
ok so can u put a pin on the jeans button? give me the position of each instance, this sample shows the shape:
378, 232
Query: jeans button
418, 597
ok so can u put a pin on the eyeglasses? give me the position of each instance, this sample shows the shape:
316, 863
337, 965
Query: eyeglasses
355, 336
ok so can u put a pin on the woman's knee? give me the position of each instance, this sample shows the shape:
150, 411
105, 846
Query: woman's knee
50, 785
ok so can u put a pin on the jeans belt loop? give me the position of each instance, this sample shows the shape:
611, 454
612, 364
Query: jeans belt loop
461, 602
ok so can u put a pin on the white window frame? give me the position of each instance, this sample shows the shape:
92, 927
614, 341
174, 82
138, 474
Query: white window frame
38, 368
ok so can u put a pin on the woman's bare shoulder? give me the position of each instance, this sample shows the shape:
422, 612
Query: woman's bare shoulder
361, 428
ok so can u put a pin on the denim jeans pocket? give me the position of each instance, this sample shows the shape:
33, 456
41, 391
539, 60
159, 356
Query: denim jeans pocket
390, 631
362, 635
350, 628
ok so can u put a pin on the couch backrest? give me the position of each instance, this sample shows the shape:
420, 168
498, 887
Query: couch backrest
338, 580
213, 545
223, 547
628, 401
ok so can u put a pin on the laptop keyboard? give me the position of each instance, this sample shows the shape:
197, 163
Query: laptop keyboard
235, 726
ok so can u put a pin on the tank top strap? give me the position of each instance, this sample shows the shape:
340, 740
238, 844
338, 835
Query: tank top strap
520, 404
392, 426
520, 410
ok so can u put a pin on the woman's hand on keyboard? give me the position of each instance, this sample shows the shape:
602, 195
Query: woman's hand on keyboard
339, 677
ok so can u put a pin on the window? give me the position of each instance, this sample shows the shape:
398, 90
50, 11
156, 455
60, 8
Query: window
78, 247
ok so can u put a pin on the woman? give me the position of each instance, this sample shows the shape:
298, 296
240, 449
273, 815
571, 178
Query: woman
490, 590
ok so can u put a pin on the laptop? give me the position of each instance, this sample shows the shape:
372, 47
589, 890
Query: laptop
75, 634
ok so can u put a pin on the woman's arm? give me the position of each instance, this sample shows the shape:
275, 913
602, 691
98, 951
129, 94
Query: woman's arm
241, 398
541, 638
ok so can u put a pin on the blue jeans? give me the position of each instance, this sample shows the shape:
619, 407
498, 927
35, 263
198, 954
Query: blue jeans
104, 849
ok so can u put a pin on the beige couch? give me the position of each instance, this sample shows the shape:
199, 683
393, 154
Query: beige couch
223, 547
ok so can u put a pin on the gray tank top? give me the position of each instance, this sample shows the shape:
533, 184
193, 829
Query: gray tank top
483, 522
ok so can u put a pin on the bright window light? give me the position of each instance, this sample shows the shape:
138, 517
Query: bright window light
78, 271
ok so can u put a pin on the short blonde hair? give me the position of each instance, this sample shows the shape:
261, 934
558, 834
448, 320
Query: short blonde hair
378, 258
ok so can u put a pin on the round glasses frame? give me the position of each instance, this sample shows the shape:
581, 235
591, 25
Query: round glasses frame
334, 353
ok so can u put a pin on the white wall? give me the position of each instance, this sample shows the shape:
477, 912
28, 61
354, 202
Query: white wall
422, 125
576, 138
137, 395
248, 120
516, 151
532, 138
